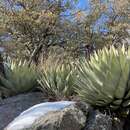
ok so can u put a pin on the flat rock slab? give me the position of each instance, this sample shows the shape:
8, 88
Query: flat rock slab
13, 106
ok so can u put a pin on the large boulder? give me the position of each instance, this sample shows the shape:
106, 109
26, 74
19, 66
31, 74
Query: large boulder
98, 121
13, 106
63, 115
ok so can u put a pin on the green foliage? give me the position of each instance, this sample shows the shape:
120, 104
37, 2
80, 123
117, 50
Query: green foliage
117, 23
35, 27
38, 25
57, 79
102, 81
19, 78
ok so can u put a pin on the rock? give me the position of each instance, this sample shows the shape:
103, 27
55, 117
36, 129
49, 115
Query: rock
98, 121
118, 124
63, 115
127, 123
0, 96
13, 106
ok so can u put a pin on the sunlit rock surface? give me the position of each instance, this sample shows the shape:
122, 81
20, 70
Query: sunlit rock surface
30, 116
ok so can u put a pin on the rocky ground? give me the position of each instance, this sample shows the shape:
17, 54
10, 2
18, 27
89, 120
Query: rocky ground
64, 115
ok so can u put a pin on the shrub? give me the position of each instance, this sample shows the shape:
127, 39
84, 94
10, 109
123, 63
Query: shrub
103, 80
19, 78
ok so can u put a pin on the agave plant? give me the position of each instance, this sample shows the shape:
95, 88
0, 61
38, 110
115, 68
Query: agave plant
57, 80
103, 80
19, 78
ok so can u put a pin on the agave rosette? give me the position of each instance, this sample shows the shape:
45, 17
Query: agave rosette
19, 78
57, 80
103, 80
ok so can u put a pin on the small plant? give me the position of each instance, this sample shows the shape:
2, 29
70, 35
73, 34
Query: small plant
57, 80
19, 78
103, 80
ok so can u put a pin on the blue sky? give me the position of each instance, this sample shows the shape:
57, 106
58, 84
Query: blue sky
83, 4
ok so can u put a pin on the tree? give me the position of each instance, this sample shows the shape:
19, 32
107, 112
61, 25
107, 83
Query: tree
37, 25
106, 23
117, 23
33, 25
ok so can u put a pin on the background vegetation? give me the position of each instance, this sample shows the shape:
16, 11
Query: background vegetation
34, 26
65, 51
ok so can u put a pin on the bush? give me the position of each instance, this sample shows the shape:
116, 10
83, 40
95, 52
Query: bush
103, 80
